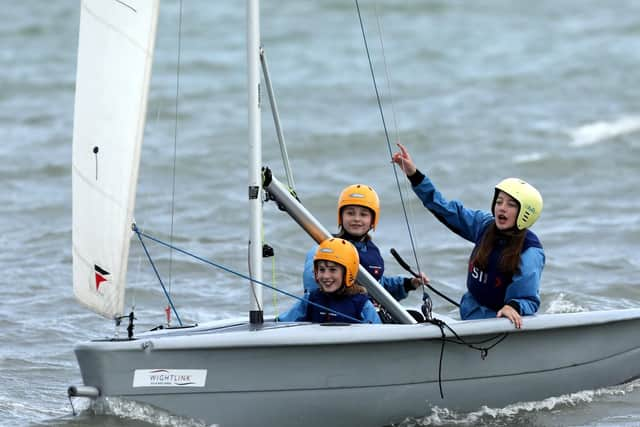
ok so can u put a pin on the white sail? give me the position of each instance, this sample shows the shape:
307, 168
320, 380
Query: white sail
115, 54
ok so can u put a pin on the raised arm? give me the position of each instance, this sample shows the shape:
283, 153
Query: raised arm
404, 160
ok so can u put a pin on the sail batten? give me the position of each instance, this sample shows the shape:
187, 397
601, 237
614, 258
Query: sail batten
115, 56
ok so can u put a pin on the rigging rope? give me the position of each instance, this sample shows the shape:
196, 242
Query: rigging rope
425, 297
484, 351
274, 297
141, 234
146, 251
175, 155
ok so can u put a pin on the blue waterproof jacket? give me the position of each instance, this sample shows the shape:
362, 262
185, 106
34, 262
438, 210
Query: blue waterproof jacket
355, 306
371, 260
522, 289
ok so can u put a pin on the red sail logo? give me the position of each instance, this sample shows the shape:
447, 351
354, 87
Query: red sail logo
101, 275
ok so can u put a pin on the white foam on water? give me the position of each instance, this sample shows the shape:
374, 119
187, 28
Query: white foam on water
529, 157
127, 409
562, 305
443, 416
602, 131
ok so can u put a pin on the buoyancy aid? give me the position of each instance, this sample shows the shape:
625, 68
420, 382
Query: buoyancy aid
369, 254
489, 286
350, 305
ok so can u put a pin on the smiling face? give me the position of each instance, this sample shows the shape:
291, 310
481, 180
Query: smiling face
356, 220
329, 276
505, 211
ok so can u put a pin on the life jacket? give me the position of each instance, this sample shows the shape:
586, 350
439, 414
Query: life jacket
370, 258
351, 305
489, 287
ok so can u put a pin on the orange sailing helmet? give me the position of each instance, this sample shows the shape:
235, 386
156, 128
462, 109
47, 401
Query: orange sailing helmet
343, 253
360, 195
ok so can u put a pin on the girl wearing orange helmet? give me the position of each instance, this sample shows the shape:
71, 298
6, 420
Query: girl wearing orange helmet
358, 213
506, 263
335, 269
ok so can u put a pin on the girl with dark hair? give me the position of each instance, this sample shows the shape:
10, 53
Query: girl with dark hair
505, 266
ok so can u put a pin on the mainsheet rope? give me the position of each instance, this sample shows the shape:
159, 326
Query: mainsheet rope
484, 351
427, 303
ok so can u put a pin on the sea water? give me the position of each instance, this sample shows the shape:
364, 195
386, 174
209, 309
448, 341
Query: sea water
548, 91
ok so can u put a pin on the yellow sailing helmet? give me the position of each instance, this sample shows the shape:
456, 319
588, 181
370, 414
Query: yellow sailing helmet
341, 252
360, 195
526, 195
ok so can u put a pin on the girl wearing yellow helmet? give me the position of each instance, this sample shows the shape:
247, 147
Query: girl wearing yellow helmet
506, 263
358, 213
335, 269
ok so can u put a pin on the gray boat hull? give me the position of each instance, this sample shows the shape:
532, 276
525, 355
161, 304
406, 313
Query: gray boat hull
308, 374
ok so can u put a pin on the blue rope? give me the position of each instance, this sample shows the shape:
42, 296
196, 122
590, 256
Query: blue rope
228, 270
135, 228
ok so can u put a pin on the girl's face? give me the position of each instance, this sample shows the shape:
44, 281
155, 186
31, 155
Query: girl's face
329, 276
505, 211
356, 220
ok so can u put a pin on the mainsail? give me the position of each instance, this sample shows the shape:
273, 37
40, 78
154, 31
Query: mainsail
115, 54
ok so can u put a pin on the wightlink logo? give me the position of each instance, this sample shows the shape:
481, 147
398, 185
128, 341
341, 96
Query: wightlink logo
169, 377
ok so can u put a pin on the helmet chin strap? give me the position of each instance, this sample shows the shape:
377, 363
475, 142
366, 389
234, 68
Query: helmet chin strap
348, 236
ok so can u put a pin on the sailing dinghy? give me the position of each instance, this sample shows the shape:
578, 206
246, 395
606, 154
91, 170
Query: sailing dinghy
255, 371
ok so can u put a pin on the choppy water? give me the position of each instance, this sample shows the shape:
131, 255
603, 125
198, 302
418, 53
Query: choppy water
546, 90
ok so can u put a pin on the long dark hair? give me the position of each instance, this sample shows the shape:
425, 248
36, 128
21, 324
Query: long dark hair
510, 255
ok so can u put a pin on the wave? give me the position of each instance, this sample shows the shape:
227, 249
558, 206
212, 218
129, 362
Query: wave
562, 305
529, 157
602, 131
518, 413
122, 411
